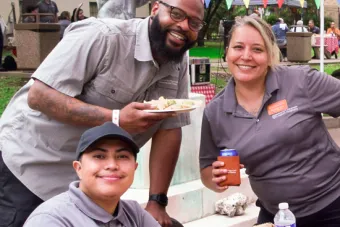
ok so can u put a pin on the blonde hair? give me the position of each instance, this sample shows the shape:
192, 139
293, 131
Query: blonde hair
265, 31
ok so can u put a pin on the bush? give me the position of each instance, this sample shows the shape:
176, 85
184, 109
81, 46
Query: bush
328, 21
239, 11
271, 19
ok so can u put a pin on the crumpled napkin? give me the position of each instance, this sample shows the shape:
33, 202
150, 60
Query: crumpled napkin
233, 205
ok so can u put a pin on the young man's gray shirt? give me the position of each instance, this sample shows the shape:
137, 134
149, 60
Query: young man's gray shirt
74, 209
106, 63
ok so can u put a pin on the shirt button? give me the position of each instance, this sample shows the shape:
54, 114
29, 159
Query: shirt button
113, 91
258, 120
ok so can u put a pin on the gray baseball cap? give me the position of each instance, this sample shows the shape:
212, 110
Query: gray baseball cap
106, 130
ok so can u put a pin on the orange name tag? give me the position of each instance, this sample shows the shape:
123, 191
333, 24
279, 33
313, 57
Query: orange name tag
277, 107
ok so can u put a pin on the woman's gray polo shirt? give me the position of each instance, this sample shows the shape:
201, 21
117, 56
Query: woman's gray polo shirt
287, 151
74, 209
104, 62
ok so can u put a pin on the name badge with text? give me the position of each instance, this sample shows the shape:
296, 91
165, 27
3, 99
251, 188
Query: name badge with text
277, 107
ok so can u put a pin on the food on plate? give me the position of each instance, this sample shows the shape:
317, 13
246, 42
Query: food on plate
171, 104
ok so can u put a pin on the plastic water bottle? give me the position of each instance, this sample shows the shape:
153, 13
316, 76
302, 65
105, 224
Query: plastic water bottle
284, 217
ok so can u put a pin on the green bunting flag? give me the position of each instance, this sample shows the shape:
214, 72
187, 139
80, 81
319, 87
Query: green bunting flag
229, 3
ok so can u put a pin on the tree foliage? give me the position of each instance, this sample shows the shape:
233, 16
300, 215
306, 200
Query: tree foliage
217, 10
209, 14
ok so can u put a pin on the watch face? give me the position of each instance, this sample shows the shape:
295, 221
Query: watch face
161, 199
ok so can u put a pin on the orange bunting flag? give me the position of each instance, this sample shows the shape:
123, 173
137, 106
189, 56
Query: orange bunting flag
246, 3
265, 2
280, 3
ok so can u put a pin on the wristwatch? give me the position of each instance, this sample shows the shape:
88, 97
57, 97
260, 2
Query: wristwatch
161, 199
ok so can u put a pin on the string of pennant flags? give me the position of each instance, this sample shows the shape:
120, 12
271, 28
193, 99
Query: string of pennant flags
265, 2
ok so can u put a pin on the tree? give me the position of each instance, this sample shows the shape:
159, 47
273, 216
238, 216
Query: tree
209, 15
216, 11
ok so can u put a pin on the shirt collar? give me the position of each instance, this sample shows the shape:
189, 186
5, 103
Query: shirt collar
143, 48
229, 99
91, 209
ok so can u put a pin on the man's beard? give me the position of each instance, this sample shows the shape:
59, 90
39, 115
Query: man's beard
157, 36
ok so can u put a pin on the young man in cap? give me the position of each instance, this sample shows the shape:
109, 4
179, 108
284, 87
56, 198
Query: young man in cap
105, 164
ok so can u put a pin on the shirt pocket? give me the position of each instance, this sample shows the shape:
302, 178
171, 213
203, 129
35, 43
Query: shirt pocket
115, 90
167, 89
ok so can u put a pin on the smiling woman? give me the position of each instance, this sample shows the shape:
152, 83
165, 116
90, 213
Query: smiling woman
251, 51
265, 113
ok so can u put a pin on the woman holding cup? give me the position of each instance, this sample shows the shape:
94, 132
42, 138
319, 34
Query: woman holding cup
271, 115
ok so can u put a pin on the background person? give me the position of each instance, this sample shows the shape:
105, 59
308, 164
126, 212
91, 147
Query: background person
48, 6
280, 29
299, 27
271, 115
334, 31
77, 15
105, 69
31, 9
312, 28
64, 21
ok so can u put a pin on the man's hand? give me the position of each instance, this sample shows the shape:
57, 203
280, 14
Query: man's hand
159, 213
133, 119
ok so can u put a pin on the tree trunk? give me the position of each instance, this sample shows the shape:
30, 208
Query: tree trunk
201, 34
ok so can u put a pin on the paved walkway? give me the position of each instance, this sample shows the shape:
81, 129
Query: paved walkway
335, 133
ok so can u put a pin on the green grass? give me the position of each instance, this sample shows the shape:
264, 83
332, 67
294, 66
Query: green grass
219, 83
211, 50
328, 68
8, 87
6, 52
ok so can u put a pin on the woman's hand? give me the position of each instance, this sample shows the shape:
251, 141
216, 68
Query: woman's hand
213, 175
219, 175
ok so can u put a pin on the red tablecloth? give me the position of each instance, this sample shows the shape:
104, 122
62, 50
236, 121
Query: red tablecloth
331, 42
207, 90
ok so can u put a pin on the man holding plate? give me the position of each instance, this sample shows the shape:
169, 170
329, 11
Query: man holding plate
102, 70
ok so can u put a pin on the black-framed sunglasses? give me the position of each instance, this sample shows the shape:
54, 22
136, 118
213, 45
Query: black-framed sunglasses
179, 15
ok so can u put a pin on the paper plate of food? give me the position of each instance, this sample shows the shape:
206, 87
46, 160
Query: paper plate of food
163, 105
